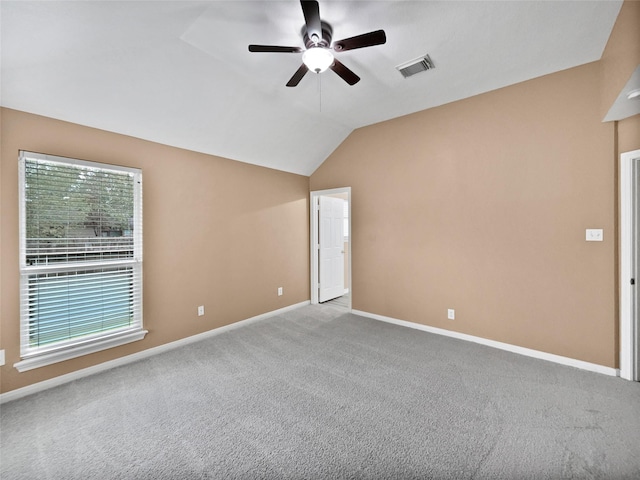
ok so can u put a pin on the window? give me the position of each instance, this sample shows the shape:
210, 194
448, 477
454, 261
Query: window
80, 258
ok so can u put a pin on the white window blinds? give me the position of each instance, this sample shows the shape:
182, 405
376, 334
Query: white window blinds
80, 257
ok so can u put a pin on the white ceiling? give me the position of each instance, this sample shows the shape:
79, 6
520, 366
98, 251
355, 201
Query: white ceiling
179, 72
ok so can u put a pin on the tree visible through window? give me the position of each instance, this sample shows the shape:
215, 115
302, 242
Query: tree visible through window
81, 253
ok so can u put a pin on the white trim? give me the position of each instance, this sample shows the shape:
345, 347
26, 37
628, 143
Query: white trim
332, 191
492, 343
78, 350
313, 248
134, 357
627, 340
313, 225
76, 161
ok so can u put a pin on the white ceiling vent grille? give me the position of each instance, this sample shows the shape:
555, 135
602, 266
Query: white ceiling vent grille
418, 65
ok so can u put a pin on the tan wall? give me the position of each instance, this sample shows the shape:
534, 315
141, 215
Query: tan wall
481, 206
629, 134
217, 233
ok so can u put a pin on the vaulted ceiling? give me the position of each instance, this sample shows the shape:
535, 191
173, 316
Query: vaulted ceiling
179, 72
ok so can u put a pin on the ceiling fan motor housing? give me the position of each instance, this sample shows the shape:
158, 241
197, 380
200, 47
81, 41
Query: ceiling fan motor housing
325, 41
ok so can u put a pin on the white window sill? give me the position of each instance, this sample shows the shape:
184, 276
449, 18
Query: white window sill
79, 350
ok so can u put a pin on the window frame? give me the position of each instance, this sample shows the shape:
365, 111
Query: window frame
75, 347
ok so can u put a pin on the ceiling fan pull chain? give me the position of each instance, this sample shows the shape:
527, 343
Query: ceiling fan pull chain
319, 91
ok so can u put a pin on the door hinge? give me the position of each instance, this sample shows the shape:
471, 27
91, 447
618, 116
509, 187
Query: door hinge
633, 281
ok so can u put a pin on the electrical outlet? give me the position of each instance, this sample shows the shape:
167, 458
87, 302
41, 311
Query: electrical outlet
201, 310
280, 291
1, 358
594, 235
451, 314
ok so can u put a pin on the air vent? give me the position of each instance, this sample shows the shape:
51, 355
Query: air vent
418, 65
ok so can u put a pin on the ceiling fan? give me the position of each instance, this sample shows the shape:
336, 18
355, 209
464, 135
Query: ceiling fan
317, 55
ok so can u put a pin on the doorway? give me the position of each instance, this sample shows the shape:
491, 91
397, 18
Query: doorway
630, 265
331, 241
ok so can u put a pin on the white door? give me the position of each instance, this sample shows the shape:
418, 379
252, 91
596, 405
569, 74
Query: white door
630, 265
331, 248
635, 323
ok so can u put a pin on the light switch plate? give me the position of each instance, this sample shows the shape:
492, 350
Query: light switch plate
594, 235
1, 358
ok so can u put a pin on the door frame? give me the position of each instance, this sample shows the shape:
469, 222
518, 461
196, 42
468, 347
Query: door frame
628, 327
313, 237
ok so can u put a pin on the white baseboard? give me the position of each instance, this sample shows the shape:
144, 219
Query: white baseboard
572, 362
134, 357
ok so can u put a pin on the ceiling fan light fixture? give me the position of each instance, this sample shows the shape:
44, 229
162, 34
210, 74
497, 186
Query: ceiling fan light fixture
317, 59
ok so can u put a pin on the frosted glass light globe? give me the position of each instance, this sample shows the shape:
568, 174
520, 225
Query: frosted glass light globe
317, 59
